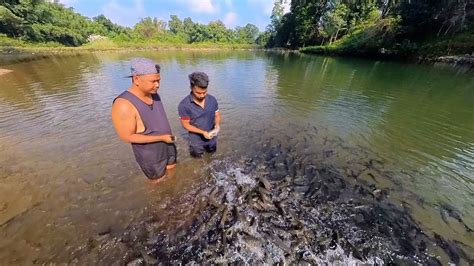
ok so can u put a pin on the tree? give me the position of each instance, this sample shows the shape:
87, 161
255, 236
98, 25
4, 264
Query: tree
112, 29
306, 17
148, 28
176, 25
335, 20
41, 21
216, 32
277, 15
10, 23
247, 34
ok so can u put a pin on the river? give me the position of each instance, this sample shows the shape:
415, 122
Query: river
65, 177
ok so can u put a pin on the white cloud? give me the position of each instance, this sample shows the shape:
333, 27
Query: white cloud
121, 14
201, 6
264, 5
67, 3
229, 5
267, 6
230, 19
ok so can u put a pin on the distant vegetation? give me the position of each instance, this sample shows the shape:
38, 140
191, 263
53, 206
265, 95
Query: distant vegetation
397, 28
39, 22
374, 27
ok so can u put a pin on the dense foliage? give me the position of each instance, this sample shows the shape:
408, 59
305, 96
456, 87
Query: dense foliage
365, 27
370, 26
49, 21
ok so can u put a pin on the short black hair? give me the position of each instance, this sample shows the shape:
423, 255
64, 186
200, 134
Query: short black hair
199, 79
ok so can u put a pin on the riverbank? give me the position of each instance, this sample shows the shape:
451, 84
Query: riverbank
13, 55
15, 51
457, 50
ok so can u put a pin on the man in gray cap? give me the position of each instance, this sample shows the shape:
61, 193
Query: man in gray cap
140, 119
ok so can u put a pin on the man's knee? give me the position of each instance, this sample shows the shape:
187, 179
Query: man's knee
196, 151
211, 148
154, 171
157, 180
196, 154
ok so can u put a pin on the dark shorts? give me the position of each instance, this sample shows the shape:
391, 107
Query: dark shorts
154, 157
197, 150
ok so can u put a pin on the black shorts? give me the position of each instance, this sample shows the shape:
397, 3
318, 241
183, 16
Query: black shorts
197, 150
154, 157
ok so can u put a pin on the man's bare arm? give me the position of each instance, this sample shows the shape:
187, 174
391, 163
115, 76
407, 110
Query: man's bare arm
187, 125
123, 118
217, 121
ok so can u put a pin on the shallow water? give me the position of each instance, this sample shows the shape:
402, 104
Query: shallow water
65, 177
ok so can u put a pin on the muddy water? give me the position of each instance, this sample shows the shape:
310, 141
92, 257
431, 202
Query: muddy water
403, 135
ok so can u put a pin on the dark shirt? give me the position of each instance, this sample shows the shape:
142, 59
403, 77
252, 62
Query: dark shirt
202, 118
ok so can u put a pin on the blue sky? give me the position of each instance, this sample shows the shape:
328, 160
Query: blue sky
128, 12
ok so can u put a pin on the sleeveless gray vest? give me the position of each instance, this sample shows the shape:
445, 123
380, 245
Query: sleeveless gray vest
155, 122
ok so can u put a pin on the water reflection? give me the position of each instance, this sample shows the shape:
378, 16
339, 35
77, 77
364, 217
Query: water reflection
415, 117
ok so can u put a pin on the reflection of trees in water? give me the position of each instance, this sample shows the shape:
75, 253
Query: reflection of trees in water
418, 117
180, 56
44, 95
391, 99
31, 81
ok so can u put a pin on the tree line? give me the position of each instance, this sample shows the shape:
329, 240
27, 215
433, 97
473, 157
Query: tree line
368, 24
49, 21
341, 26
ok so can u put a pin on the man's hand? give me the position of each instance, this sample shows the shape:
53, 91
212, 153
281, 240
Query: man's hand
167, 138
206, 135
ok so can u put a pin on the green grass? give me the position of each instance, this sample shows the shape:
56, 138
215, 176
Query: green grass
366, 40
460, 44
9, 45
154, 44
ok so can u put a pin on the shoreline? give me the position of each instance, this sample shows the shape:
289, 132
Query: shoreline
14, 55
464, 61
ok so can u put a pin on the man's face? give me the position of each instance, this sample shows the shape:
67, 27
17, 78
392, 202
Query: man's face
148, 83
199, 93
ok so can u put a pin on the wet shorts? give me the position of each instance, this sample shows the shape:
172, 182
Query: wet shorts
154, 157
197, 150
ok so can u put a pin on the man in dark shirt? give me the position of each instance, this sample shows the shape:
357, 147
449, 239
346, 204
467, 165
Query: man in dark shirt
200, 116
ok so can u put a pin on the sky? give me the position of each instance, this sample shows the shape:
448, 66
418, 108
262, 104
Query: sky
128, 12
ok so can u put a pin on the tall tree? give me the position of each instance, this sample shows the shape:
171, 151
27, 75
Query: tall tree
149, 28
247, 34
176, 25
277, 14
335, 20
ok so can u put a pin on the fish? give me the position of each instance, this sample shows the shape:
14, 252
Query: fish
265, 183
225, 212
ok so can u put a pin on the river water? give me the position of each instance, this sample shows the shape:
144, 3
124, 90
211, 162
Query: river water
65, 177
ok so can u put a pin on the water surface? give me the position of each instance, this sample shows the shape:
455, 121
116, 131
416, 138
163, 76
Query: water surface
65, 176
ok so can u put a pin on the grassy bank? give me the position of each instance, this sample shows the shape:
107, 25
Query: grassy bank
9, 45
15, 51
370, 44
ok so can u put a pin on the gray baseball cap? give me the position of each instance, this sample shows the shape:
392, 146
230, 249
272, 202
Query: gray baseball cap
143, 66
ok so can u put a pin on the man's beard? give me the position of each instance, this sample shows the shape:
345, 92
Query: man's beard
199, 99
